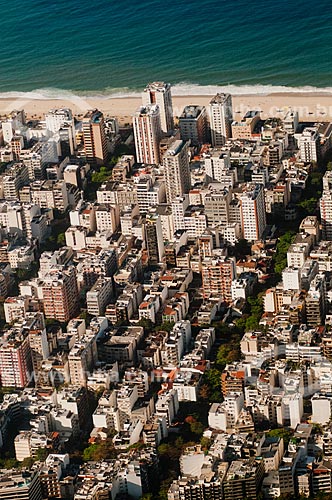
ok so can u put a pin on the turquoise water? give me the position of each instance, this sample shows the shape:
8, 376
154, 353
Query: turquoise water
117, 46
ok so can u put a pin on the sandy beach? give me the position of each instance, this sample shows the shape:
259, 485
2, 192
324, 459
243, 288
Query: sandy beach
310, 106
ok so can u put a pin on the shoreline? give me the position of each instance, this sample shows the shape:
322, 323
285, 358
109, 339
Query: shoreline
311, 106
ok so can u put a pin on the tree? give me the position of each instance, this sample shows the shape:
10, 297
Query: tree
9, 463
166, 326
317, 429
197, 428
284, 433
101, 176
88, 453
204, 391
206, 443
308, 205
28, 462
99, 451
212, 379
227, 354
252, 323
168, 452
242, 248
61, 239
42, 454
146, 324
26, 274
280, 257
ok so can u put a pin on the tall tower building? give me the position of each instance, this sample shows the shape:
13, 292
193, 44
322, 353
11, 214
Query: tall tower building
253, 213
154, 238
217, 164
216, 203
39, 348
147, 132
23, 484
325, 205
179, 206
217, 276
95, 141
15, 360
12, 125
177, 172
160, 93
194, 125
62, 122
60, 294
309, 144
221, 117
56, 118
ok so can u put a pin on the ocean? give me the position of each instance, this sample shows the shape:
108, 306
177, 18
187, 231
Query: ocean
114, 47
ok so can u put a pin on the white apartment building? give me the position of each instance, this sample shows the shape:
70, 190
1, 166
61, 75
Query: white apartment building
253, 213
217, 164
107, 218
195, 222
150, 192
221, 117
309, 143
15, 308
223, 416
99, 296
167, 405
325, 205
176, 169
179, 206
159, 93
147, 133
106, 415
321, 408
58, 118
291, 278
297, 254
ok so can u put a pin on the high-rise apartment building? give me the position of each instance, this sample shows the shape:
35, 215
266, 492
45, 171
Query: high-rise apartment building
179, 206
325, 205
95, 141
217, 164
253, 213
194, 125
81, 359
217, 203
39, 348
99, 296
221, 117
205, 486
150, 192
217, 276
160, 93
60, 294
147, 133
56, 118
309, 144
23, 485
243, 480
245, 128
154, 238
177, 172
14, 122
62, 121
15, 360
